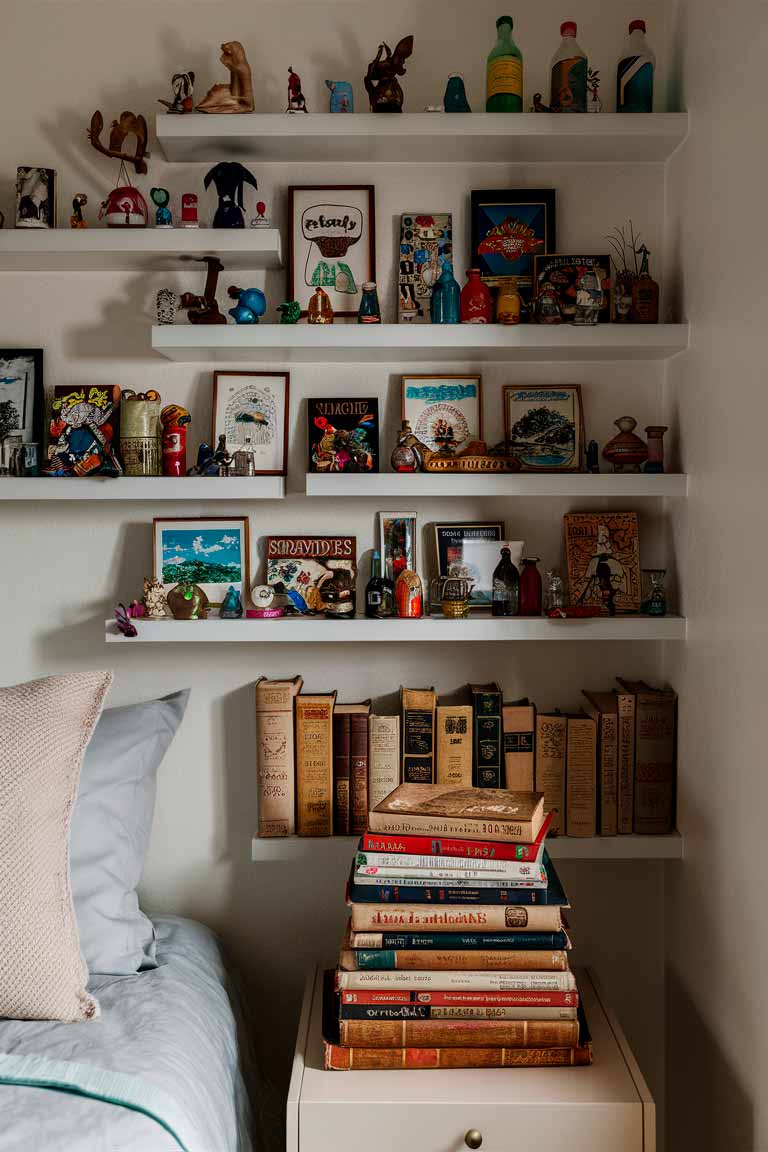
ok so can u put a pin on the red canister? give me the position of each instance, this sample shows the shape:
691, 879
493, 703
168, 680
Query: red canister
174, 420
476, 303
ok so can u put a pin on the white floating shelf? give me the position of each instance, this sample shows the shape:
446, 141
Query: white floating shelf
317, 630
153, 488
393, 485
422, 137
136, 249
342, 848
388, 343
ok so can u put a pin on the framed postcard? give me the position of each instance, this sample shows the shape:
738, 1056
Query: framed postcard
304, 563
544, 426
602, 552
559, 281
331, 243
445, 412
343, 434
212, 552
21, 398
457, 555
509, 227
397, 543
426, 240
251, 410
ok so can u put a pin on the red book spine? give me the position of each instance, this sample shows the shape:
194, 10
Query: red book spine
341, 774
443, 846
358, 752
523, 999
344, 1059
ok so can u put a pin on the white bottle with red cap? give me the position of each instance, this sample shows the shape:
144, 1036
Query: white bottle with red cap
569, 73
634, 77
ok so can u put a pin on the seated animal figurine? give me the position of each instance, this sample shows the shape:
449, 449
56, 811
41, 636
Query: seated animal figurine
342, 96
188, 601
237, 96
232, 607
290, 312
251, 303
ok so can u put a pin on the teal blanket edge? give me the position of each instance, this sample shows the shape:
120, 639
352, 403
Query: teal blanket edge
115, 1088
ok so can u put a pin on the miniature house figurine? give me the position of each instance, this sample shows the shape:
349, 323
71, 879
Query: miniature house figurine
381, 83
237, 96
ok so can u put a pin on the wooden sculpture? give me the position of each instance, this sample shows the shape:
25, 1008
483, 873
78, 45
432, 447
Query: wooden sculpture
381, 83
237, 96
204, 309
128, 125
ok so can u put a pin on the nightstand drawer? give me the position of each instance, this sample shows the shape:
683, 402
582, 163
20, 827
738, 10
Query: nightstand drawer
602, 1108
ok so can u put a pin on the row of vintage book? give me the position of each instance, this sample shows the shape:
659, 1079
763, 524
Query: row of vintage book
477, 978
608, 769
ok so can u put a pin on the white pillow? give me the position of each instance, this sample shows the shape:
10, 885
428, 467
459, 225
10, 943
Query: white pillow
45, 726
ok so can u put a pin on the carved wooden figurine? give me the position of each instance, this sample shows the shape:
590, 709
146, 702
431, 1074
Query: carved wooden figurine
237, 96
381, 83
204, 309
129, 124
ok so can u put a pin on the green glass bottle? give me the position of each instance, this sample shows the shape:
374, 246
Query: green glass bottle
504, 88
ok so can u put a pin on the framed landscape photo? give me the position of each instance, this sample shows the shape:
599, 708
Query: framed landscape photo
251, 410
445, 412
21, 398
331, 243
212, 552
559, 280
397, 543
458, 553
509, 227
544, 426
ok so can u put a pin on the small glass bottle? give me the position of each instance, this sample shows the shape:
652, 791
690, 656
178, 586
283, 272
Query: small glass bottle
509, 305
569, 73
446, 298
379, 593
476, 302
369, 311
505, 595
530, 587
634, 75
555, 591
504, 86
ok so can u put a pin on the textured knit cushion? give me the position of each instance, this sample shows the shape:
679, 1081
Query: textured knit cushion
45, 726
110, 832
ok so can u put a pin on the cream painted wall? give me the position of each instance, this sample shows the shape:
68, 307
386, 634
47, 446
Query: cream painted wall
64, 567
717, 947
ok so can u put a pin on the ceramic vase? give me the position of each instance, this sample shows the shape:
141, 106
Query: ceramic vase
626, 450
476, 303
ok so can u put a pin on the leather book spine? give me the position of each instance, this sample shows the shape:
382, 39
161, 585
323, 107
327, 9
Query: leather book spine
314, 764
418, 734
626, 761
551, 743
581, 777
338, 1058
459, 1033
454, 744
383, 757
275, 756
358, 817
341, 773
519, 724
450, 960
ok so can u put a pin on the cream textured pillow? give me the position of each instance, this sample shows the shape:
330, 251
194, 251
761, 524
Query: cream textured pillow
45, 727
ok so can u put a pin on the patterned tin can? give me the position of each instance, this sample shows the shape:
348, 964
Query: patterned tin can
140, 446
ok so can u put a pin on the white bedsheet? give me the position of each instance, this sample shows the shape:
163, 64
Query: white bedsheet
172, 1029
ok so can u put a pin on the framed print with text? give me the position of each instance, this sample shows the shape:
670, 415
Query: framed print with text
331, 243
458, 553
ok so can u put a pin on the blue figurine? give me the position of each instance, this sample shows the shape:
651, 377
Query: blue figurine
297, 600
232, 607
251, 303
163, 216
455, 99
206, 464
342, 96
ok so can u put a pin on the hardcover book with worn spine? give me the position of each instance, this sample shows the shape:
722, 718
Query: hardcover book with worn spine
459, 1033
454, 740
456, 918
581, 777
350, 721
343, 434
444, 998
551, 743
519, 724
469, 813
433, 1012
625, 707
487, 733
314, 764
490, 981
483, 941
383, 758
455, 847
601, 706
417, 706
275, 754
655, 757
511, 959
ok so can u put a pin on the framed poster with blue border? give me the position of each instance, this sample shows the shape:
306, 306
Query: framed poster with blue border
510, 227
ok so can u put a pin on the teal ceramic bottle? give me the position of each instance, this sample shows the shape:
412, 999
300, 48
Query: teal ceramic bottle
446, 298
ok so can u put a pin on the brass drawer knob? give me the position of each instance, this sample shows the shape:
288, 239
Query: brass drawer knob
473, 1138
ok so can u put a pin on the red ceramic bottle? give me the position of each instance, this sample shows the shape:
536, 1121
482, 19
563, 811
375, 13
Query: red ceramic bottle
530, 588
476, 303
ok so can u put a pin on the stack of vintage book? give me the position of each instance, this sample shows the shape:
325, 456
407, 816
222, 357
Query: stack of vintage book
456, 952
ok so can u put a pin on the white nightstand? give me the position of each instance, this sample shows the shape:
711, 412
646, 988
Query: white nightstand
603, 1108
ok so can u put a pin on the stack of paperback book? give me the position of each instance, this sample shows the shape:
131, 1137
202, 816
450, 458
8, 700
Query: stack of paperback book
456, 954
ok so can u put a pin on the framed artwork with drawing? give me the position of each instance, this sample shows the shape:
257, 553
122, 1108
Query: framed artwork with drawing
251, 410
445, 412
331, 243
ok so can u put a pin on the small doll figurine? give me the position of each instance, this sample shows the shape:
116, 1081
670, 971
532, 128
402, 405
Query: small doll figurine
77, 220
182, 86
163, 216
296, 99
381, 83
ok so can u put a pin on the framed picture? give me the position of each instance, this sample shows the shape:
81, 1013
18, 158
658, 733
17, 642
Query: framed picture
212, 552
331, 243
458, 554
35, 198
426, 240
21, 398
397, 543
303, 564
445, 412
558, 280
251, 410
509, 227
343, 434
602, 552
544, 426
